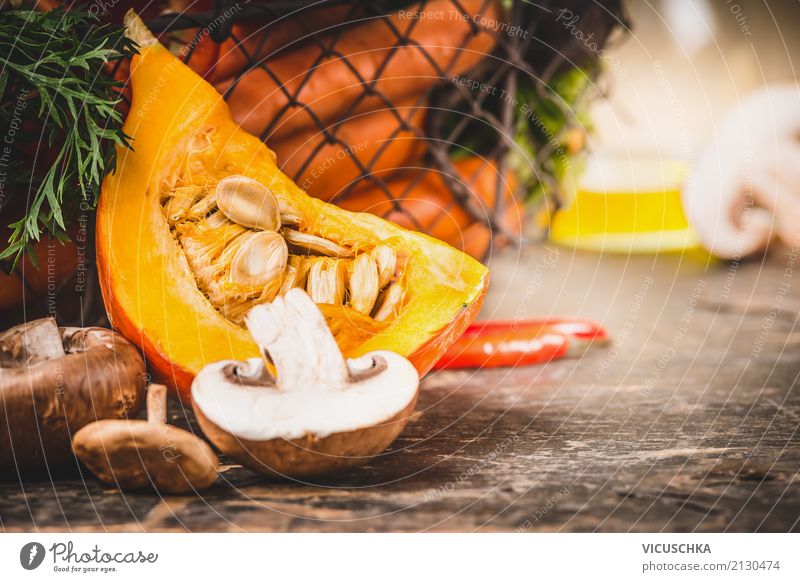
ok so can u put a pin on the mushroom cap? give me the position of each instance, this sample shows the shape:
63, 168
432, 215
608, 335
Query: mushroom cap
45, 401
138, 454
310, 455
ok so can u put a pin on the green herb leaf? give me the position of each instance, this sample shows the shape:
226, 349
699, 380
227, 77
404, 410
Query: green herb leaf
58, 107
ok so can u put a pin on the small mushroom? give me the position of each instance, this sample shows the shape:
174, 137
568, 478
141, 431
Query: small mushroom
135, 454
54, 381
320, 413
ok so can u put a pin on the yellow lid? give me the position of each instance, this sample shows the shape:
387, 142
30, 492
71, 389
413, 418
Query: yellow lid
626, 205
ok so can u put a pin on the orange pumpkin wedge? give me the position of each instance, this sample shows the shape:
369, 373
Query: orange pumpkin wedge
164, 248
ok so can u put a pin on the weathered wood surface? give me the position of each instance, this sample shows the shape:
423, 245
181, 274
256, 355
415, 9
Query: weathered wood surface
688, 423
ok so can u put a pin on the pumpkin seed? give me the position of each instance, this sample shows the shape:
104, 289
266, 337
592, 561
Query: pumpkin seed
296, 273
180, 201
260, 259
364, 286
315, 244
289, 214
217, 220
237, 244
202, 207
392, 301
326, 278
386, 260
249, 203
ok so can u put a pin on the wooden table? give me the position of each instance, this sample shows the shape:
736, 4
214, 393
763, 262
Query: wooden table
688, 423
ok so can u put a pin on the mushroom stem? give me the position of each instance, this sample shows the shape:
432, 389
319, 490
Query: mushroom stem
293, 333
157, 404
366, 367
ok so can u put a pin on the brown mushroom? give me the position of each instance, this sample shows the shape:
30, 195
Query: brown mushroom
321, 413
135, 454
53, 381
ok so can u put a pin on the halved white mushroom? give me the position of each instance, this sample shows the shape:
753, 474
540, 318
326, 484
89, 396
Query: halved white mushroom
745, 185
320, 413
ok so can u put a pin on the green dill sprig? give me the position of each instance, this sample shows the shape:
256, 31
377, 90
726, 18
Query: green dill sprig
58, 110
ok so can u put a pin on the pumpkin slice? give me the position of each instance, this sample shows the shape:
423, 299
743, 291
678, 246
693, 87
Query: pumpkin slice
198, 225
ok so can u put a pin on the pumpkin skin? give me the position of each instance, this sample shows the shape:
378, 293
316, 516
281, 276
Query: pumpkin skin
148, 288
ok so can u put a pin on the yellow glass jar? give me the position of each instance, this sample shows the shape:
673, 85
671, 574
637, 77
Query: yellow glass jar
626, 205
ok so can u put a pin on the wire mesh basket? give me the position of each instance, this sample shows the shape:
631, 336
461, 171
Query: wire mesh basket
408, 110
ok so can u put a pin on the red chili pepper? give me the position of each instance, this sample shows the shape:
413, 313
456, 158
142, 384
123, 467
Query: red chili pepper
502, 344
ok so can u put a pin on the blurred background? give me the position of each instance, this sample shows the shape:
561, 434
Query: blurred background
684, 65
